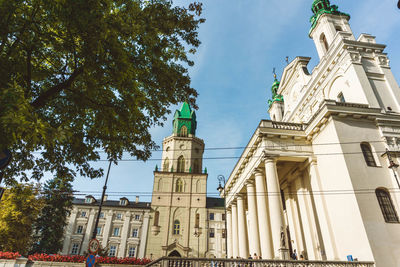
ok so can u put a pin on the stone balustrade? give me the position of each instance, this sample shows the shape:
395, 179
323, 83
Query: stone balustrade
203, 262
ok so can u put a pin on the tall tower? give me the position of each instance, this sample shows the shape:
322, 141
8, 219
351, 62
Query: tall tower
179, 192
325, 23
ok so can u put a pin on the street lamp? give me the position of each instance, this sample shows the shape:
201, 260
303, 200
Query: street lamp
221, 179
392, 164
101, 202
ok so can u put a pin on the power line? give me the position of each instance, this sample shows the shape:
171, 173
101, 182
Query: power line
289, 193
297, 154
244, 147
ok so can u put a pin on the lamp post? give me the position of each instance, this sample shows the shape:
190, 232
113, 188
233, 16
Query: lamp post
393, 165
221, 179
101, 202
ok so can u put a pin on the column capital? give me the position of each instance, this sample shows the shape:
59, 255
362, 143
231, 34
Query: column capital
268, 157
312, 160
249, 182
239, 196
258, 171
228, 209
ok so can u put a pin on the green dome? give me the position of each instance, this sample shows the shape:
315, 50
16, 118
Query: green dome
275, 95
320, 7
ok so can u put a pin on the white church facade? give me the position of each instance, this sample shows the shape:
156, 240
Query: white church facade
320, 178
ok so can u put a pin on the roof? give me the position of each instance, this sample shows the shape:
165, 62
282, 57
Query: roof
214, 202
113, 203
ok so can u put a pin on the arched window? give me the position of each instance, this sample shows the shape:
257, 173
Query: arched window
179, 186
156, 218
177, 227
196, 166
368, 156
166, 165
324, 42
386, 204
181, 164
184, 131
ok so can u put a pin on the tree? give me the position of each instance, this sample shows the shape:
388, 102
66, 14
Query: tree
48, 229
19, 209
82, 76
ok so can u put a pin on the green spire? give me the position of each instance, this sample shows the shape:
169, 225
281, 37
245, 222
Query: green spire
184, 121
275, 96
320, 7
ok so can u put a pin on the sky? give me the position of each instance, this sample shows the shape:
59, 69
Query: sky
242, 41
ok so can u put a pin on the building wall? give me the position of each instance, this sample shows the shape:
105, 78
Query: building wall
132, 224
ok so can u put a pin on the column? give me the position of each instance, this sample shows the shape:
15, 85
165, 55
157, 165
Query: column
309, 238
275, 203
263, 216
254, 239
322, 213
124, 235
70, 231
143, 235
235, 236
242, 228
229, 231
88, 232
107, 228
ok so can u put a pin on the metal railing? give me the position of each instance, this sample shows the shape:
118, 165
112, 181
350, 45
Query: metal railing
205, 262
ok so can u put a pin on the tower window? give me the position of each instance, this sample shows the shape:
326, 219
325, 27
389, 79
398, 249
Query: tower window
368, 156
386, 204
184, 131
181, 164
179, 186
196, 166
156, 218
338, 29
177, 227
166, 165
324, 42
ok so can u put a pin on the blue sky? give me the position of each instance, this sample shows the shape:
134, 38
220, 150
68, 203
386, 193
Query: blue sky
242, 41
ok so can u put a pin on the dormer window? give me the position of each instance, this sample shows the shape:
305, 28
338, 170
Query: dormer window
123, 202
89, 199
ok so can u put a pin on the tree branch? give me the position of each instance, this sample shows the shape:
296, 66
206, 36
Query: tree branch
42, 99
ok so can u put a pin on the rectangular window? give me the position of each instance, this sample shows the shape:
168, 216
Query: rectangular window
74, 250
79, 230
137, 217
123, 202
112, 251
211, 216
223, 216
131, 252
101, 215
116, 231
135, 232
98, 230
119, 216
83, 214
212, 232
223, 233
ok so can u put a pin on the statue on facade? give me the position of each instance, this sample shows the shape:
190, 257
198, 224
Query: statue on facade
283, 241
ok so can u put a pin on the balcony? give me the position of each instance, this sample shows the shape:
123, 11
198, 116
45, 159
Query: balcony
204, 262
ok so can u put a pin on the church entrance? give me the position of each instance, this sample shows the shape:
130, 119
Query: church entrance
174, 254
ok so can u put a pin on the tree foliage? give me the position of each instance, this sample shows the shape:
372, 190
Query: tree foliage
19, 209
48, 229
81, 76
